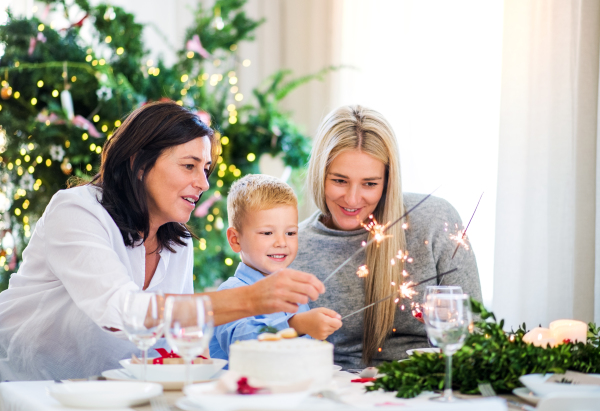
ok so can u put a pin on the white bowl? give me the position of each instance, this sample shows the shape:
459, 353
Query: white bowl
424, 350
104, 394
202, 395
174, 372
536, 383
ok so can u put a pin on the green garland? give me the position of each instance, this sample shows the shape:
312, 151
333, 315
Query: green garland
490, 355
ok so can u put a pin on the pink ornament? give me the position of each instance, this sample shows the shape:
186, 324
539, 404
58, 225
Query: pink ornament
196, 46
33, 41
84, 123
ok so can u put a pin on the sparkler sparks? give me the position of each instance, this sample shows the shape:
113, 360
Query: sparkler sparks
363, 271
406, 290
407, 286
388, 226
377, 230
460, 240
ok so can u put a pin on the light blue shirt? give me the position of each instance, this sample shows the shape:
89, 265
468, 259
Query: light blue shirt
246, 328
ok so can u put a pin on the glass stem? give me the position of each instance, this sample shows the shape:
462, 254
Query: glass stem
188, 370
144, 363
448, 378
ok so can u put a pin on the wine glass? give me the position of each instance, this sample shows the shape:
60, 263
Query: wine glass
142, 318
447, 321
440, 289
189, 327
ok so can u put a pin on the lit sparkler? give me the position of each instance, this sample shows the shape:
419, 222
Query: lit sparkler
464, 232
404, 291
377, 230
389, 225
363, 271
460, 240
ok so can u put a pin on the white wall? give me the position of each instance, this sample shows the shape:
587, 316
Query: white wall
433, 69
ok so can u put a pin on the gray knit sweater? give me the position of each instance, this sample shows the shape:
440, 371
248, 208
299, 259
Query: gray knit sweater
321, 250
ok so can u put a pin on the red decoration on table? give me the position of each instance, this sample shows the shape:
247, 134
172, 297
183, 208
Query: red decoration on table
246, 389
362, 380
165, 354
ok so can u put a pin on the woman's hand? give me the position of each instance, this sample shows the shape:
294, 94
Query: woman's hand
283, 291
278, 292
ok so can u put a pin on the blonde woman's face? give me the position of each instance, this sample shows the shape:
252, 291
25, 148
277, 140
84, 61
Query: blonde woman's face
353, 187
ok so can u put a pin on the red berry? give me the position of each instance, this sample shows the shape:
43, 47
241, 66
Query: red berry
419, 315
566, 341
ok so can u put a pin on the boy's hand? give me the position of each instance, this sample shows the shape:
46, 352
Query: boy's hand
319, 323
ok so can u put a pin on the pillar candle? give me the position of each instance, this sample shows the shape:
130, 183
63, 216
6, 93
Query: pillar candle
540, 337
573, 330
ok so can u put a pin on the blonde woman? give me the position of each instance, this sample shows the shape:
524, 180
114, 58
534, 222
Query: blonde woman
353, 173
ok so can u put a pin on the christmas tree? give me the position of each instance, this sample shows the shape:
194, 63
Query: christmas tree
63, 97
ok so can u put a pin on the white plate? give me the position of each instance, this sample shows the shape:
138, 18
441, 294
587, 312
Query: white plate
336, 368
423, 350
525, 394
535, 383
200, 394
187, 405
174, 372
104, 394
123, 375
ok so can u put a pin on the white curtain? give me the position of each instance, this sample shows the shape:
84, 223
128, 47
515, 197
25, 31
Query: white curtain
546, 199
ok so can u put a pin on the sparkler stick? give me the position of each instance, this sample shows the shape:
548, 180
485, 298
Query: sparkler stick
396, 293
465, 232
373, 239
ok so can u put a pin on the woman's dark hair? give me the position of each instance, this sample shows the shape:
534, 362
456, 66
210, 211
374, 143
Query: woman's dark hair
131, 153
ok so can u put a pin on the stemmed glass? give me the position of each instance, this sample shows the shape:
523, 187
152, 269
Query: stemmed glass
142, 318
189, 327
447, 321
440, 289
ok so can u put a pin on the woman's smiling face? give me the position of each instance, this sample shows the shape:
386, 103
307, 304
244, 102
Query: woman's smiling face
353, 187
176, 181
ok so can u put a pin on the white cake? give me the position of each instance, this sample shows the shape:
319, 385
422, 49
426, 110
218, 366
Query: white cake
284, 361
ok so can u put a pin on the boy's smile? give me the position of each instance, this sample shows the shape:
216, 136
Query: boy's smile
268, 240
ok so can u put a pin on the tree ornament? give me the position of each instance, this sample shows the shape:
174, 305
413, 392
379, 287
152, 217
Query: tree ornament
6, 92
66, 102
66, 167
57, 153
218, 20
27, 182
195, 45
109, 14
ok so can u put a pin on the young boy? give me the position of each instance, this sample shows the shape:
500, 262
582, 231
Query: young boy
263, 228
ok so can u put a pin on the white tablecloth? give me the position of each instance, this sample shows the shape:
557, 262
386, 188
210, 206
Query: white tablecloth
33, 395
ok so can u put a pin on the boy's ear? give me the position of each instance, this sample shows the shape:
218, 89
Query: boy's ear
233, 239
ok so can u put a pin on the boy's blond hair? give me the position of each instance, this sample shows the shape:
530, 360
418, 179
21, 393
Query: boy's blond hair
256, 192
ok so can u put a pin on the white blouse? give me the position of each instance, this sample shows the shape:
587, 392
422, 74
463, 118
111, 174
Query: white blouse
75, 273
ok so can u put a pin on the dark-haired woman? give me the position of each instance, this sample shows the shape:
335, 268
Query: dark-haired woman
60, 316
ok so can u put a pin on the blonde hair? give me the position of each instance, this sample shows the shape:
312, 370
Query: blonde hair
256, 192
359, 128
